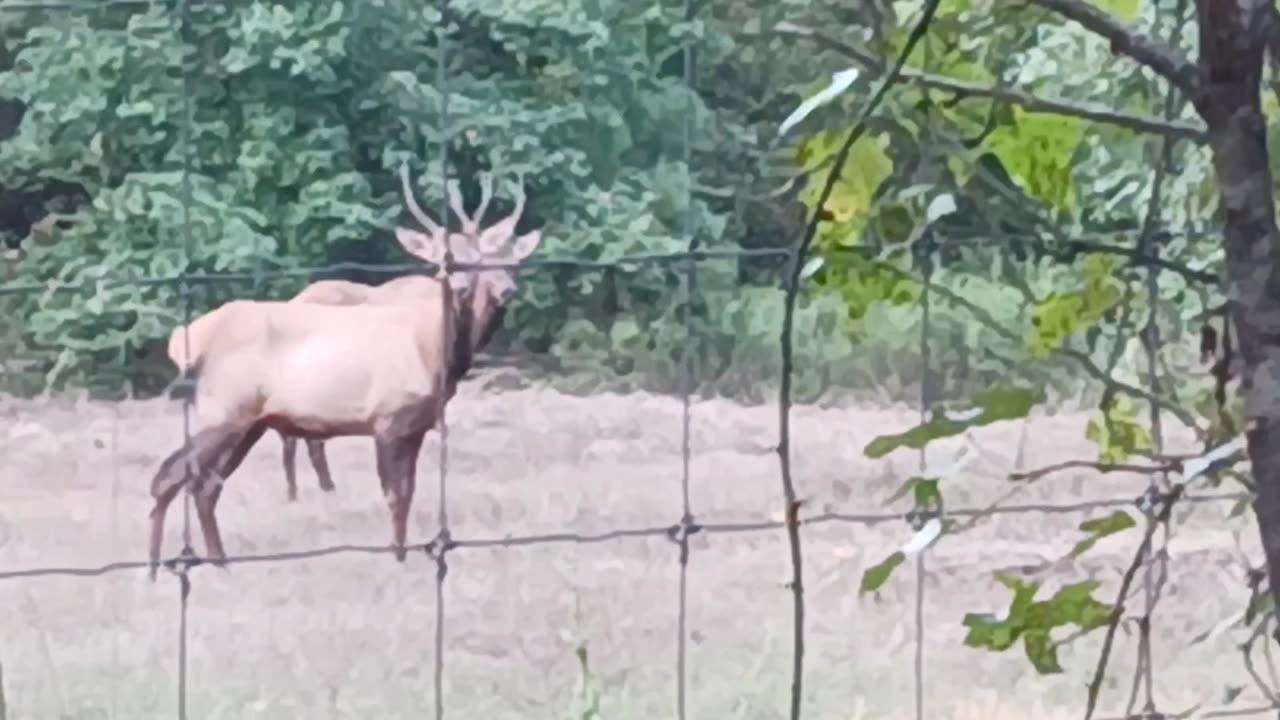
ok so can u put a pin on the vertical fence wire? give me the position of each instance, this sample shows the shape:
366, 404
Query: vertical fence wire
442, 543
686, 526
926, 400
184, 579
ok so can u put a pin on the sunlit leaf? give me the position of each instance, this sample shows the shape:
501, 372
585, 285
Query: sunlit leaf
1061, 314
1036, 150
990, 406
876, 575
1098, 528
1117, 431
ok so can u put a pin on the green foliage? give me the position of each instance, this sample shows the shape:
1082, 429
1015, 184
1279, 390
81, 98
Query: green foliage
300, 114
1037, 149
1117, 430
877, 575
1033, 621
1098, 528
1061, 314
1123, 9
992, 405
924, 491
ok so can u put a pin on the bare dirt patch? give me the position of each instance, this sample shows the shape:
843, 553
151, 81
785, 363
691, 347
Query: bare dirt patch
352, 635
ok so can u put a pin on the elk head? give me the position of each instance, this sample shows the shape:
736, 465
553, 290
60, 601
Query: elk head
485, 290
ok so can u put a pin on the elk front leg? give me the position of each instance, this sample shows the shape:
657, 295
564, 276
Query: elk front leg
290, 444
397, 469
315, 449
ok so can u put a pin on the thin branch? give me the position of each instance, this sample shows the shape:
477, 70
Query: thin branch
1246, 650
1161, 58
792, 288
1101, 467
1089, 111
1100, 672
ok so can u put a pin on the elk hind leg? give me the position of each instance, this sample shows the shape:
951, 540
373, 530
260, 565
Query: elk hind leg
172, 475
315, 449
209, 493
290, 447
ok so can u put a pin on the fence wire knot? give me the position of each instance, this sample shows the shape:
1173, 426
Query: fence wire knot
183, 388
442, 543
917, 517
180, 566
181, 563
1154, 498
683, 530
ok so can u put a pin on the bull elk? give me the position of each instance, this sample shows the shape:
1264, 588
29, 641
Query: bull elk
413, 288
318, 371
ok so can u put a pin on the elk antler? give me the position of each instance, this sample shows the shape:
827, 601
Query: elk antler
414, 209
502, 231
471, 222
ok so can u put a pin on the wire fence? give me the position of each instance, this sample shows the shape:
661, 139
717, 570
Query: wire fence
1155, 504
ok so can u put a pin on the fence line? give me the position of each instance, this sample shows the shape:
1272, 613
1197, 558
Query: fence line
621, 263
673, 532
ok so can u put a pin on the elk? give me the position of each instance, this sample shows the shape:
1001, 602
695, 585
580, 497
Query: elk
382, 370
413, 288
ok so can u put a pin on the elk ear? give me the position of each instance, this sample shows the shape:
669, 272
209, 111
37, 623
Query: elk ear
525, 245
421, 245
495, 236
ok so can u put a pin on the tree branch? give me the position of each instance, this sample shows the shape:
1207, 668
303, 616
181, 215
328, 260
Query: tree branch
1100, 467
1093, 112
1164, 60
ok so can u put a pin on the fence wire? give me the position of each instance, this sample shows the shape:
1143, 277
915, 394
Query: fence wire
792, 520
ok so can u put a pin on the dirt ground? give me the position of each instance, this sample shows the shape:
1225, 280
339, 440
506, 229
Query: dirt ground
352, 636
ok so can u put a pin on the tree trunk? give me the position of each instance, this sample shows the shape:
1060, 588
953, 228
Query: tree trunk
1233, 38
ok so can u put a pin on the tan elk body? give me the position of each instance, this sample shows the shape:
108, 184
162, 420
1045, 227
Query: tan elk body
408, 289
320, 371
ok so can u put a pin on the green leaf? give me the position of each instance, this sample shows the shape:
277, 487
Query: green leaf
1075, 605
993, 405
1124, 9
1042, 651
924, 492
867, 167
1117, 432
1062, 313
989, 633
876, 575
1037, 150
927, 494
1034, 621
1099, 528
1023, 592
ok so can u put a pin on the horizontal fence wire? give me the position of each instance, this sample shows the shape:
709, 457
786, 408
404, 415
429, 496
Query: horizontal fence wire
624, 263
579, 538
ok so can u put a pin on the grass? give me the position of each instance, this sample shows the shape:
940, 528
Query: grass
352, 636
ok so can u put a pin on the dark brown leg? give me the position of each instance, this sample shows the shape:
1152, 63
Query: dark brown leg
315, 449
397, 469
290, 464
210, 491
201, 452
